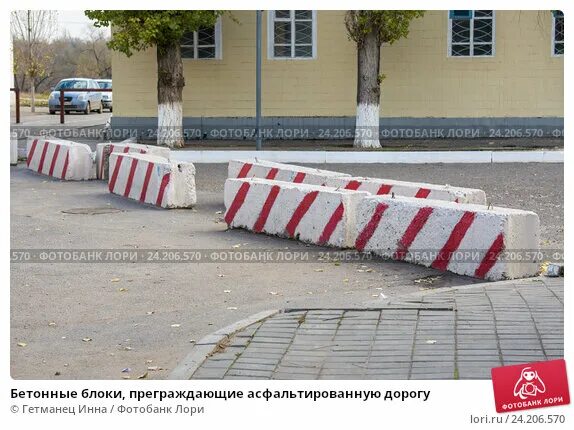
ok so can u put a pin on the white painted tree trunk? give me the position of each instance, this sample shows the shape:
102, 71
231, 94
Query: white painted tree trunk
32, 95
368, 93
367, 126
169, 123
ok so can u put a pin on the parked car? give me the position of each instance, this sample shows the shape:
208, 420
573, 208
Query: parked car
106, 96
78, 101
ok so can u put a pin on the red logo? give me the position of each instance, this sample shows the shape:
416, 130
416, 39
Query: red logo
532, 385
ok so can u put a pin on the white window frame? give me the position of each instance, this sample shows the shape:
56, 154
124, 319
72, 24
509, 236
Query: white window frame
553, 44
218, 45
449, 37
271, 37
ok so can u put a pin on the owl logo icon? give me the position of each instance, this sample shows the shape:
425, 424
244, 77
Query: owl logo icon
529, 384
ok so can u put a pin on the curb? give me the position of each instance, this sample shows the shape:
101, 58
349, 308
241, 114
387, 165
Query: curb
391, 157
199, 352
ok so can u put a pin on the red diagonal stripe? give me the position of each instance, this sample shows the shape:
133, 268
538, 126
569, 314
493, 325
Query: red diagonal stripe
65, 168
299, 178
43, 157
353, 185
114, 178
422, 193
237, 203
31, 154
451, 245
369, 229
272, 173
133, 168
332, 224
244, 170
300, 212
260, 223
491, 256
54, 159
384, 189
162, 187
146, 181
412, 231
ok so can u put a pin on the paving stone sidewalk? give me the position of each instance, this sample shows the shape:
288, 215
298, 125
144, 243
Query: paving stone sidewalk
451, 333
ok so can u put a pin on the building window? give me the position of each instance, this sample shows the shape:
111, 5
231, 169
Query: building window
471, 33
293, 34
204, 43
557, 32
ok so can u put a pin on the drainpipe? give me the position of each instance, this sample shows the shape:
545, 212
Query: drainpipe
258, 143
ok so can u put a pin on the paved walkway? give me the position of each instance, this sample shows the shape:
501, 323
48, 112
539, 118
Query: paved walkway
450, 333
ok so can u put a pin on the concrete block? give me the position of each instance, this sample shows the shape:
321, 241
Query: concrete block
13, 148
103, 151
279, 172
465, 239
152, 179
310, 213
409, 189
61, 159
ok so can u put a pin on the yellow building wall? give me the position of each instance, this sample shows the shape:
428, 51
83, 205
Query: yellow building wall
523, 79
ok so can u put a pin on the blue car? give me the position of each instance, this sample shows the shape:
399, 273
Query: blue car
76, 101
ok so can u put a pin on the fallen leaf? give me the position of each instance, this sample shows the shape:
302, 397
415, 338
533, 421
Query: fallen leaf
126, 370
218, 212
127, 348
176, 325
115, 280
57, 374
149, 361
126, 377
51, 324
346, 280
237, 245
431, 342
87, 339
192, 341
150, 312
319, 270
273, 293
122, 290
221, 275
154, 368
143, 375
22, 344
232, 308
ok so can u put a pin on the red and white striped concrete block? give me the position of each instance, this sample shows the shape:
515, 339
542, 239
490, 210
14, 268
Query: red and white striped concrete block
279, 172
61, 159
310, 213
152, 179
464, 239
103, 151
410, 189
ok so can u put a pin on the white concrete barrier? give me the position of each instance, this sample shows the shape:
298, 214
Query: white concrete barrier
13, 148
410, 189
103, 151
471, 240
279, 172
152, 179
310, 213
61, 159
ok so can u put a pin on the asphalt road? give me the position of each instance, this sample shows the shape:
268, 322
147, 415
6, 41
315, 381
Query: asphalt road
95, 320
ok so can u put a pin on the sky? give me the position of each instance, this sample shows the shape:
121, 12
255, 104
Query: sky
74, 22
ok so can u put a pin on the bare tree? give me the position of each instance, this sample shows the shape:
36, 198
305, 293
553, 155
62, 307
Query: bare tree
34, 29
95, 59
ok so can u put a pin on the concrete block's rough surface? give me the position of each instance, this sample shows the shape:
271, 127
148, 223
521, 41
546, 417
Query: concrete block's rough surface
61, 159
152, 179
279, 172
13, 148
409, 189
103, 151
494, 244
310, 213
